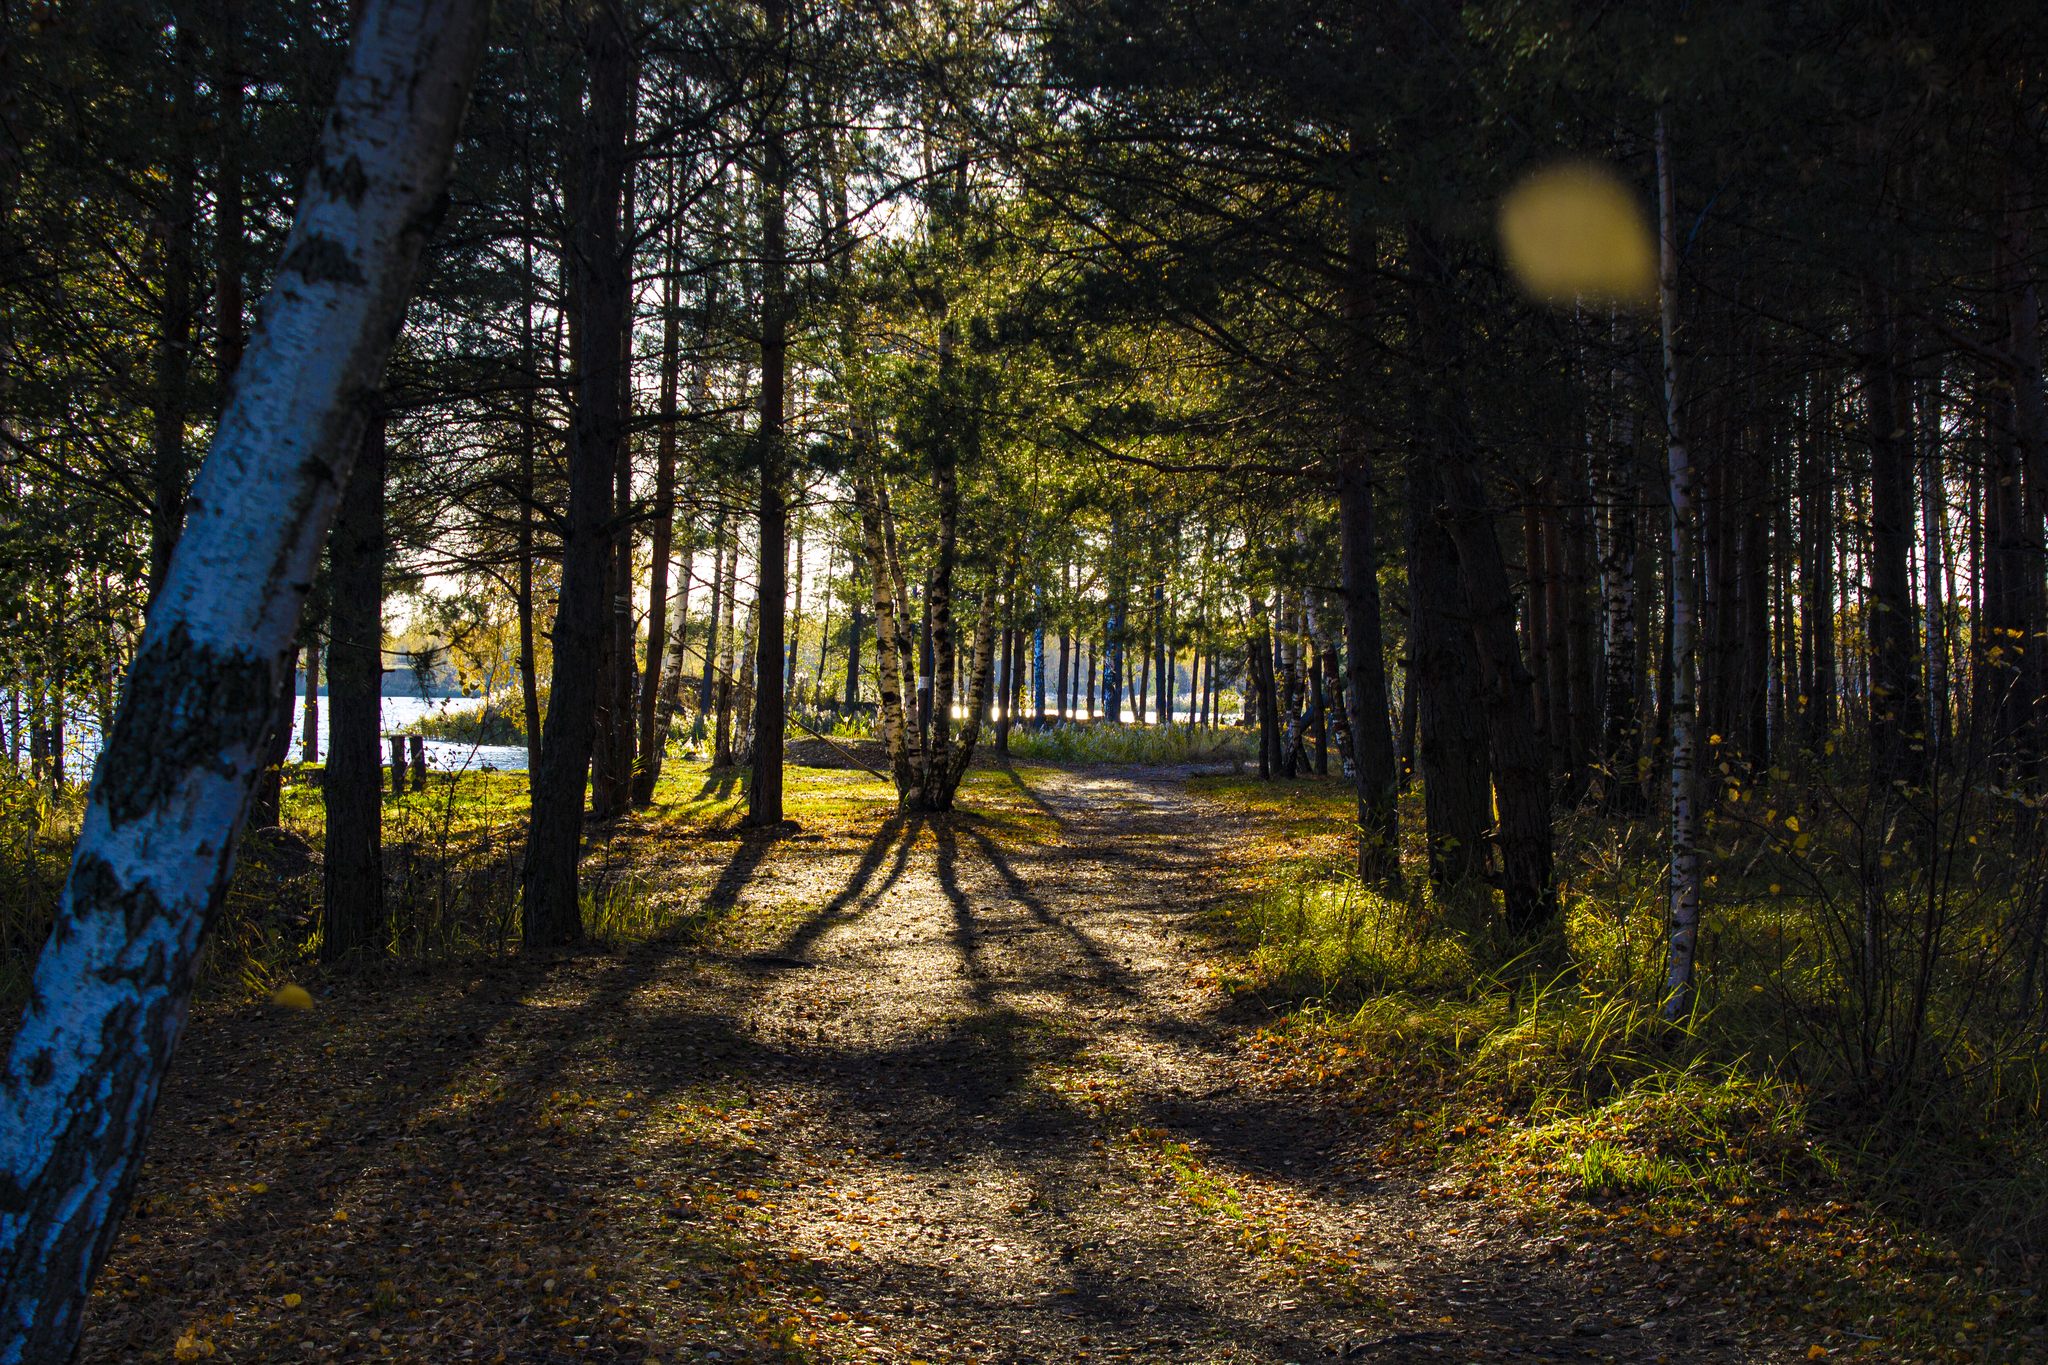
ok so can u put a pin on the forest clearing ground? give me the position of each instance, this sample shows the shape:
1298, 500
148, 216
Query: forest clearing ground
964, 1088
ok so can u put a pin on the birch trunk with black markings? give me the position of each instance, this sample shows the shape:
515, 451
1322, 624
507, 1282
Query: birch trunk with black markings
113, 986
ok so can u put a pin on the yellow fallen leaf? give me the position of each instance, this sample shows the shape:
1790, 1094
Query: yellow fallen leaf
291, 997
259, 1188
1574, 232
1816, 1352
291, 1300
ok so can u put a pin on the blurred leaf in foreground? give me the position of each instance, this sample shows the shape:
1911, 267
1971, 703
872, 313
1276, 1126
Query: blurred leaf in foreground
1574, 233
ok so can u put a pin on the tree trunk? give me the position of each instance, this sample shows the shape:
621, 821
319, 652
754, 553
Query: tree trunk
1561, 756
1937, 565
940, 595
529, 659
352, 899
2029, 407
1365, 694
727, 667
1685, 871
670, 699
309, 733
228, 212
1621, 727
854, 627
889, 656
267, 808
1817, 612
1896, 725
1267, 690
554, 840
1443, 673
713, 635
764, 794
110, 995
1520, 778
1535, 623
653, 739
171, 403
1007, 688
939, 796
1584, 702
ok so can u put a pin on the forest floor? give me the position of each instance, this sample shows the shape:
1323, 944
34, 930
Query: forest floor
968, 1088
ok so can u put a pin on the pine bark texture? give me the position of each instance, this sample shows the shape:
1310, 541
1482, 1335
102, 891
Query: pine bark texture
352, 790
552, 912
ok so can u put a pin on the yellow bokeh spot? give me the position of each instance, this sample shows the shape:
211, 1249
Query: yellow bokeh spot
292, 998
1574, 233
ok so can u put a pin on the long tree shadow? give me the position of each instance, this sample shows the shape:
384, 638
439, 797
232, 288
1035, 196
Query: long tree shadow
966, 941
1032, 796
754, 848
720, 784
1108, 971
899, 830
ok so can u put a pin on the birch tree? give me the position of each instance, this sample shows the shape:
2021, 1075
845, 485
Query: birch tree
113, 987
1685, 854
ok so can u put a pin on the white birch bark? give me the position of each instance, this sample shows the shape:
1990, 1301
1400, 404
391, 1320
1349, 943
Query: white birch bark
113, 986
1685, 856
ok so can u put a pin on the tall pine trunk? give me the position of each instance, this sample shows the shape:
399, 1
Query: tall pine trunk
1443, 674
1896, 725
764, 794
653, 739
554, 840
1520, 776
352, 891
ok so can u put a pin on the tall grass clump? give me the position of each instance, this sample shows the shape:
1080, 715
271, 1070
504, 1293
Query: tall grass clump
1871, 1005
1066, 742
805, 722
1336, 940
38, 826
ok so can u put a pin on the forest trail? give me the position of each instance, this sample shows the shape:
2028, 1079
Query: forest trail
981, 1102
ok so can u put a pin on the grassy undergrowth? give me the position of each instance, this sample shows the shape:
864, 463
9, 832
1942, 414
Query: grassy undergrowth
1107, 743
1779, 1146
452, 854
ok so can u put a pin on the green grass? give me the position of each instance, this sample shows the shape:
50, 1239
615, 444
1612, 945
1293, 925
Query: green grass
1108, 743
1542, 1070
37, 829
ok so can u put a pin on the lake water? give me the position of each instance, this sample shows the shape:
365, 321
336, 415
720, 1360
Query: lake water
82, 739
397, 713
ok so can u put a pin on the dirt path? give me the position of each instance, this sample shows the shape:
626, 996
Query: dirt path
992, 1022
975, 1098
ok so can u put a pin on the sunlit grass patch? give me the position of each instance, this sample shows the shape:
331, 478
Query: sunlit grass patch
696, 795
1104, 742
1316, 939
37, 829
1315, 817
